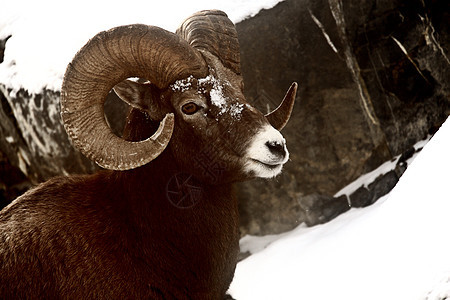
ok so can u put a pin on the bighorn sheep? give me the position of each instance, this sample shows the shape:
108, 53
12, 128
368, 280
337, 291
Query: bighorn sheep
162, 222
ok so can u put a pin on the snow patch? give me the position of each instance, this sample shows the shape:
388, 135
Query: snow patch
182, 85
236, 110
216, 92
23, 161
218, 99
254, 244
441, 290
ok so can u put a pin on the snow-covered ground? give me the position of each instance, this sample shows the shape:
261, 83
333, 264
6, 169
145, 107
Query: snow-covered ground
47, 33
398, 248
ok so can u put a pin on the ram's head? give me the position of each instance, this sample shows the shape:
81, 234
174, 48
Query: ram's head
190, 82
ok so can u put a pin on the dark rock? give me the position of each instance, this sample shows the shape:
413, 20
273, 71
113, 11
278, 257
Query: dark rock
335, 207
2, 48
362, 100
406, 155
318, 209
402, 163
382, 185
33, 137
271, 212
360, 198
228, 297
243, 255
400, 168
313, 202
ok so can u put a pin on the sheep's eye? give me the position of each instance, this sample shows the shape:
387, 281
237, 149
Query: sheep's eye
190, 108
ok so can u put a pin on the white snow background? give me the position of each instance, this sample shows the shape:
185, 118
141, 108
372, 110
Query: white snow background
46, 34
399, 248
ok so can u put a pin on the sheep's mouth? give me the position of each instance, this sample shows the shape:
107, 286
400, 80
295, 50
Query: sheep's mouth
257, 168
270, 166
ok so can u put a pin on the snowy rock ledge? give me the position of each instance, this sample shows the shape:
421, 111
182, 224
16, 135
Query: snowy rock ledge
33, 137
366, 190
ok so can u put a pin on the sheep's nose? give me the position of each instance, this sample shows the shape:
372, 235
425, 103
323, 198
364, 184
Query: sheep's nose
277, 148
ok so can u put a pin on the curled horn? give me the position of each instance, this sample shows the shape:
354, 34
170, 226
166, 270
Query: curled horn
213, 31
279, 117
107, 59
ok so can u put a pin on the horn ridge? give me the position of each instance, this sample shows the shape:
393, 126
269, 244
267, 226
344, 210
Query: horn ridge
108, 58
214, 32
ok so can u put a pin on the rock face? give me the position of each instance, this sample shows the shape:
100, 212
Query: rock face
34, 139
373, 79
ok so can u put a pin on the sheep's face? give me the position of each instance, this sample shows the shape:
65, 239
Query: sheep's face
194, 90
218, 136
221, 136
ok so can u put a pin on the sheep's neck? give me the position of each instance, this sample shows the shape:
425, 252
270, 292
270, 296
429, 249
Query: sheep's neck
178, 216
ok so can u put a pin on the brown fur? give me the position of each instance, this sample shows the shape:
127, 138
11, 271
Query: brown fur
115, 235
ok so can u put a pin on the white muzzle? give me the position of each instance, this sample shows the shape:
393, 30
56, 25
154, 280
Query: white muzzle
267, 153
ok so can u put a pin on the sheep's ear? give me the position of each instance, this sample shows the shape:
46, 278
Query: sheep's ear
138, 94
